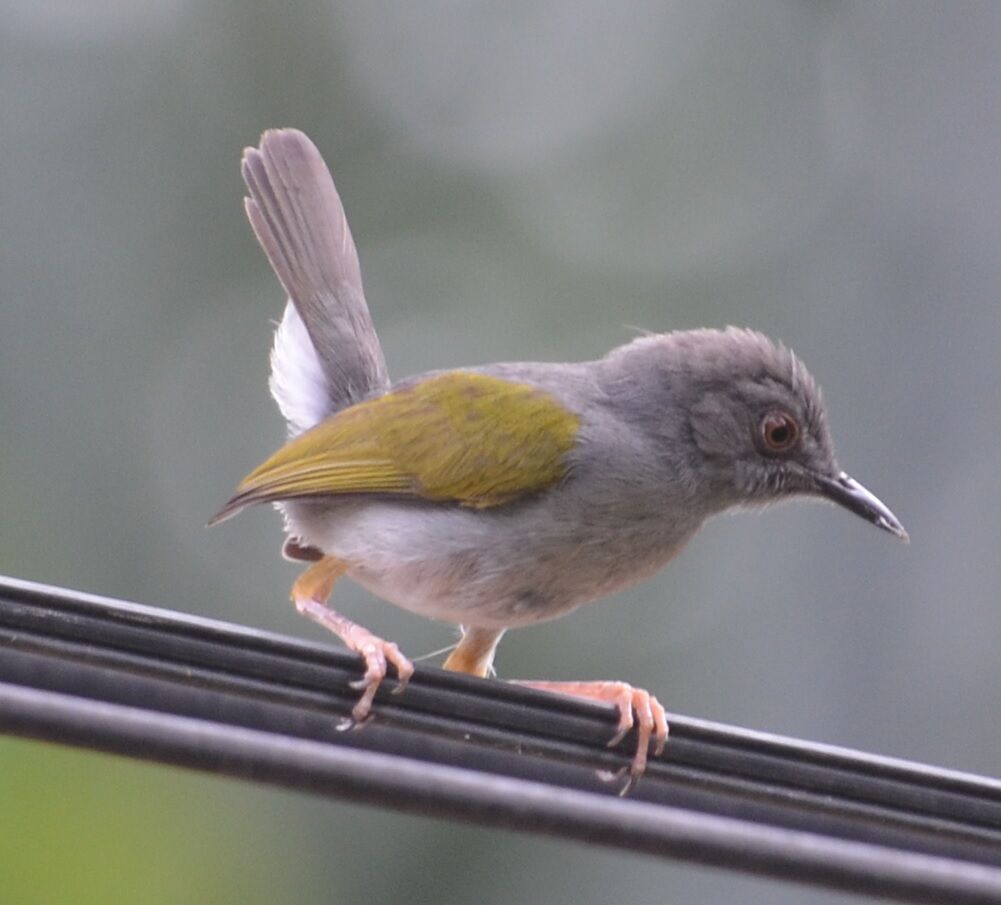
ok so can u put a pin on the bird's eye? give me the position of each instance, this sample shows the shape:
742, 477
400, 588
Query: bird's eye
779, 432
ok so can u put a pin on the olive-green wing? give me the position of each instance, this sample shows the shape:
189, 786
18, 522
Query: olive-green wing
460, 436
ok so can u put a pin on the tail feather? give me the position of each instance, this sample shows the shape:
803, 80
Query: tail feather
299, 382
299, 220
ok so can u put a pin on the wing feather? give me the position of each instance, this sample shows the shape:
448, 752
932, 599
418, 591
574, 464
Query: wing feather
460, 437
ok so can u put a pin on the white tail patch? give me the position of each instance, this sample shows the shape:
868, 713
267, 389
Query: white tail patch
298, 381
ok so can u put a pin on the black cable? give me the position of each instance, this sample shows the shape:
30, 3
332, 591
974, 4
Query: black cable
148, 683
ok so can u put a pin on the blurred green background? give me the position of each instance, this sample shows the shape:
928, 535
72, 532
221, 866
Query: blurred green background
523, 181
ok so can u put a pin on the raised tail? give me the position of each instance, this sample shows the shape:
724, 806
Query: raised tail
326, 354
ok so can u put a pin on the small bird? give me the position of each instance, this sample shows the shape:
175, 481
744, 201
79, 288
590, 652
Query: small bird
506, 494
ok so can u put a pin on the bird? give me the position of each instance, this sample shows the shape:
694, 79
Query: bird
502, 495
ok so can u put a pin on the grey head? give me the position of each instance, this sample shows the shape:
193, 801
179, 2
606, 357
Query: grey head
746, 419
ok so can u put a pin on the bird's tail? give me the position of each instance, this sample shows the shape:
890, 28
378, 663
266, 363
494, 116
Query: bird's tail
326, 353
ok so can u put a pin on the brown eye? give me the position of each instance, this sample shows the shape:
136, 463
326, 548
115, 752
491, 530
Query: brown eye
779, 432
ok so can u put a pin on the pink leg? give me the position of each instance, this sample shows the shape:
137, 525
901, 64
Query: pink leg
650, 717
310, 593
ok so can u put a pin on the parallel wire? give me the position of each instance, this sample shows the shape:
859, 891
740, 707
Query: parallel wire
153, 684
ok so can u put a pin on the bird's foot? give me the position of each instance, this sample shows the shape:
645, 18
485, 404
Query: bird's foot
636, 707
375, 651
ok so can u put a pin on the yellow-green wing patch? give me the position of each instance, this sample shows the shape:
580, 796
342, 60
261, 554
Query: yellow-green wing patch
461, 436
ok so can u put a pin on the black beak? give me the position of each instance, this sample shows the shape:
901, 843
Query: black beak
847, 492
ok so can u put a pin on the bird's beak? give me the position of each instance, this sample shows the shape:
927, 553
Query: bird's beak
847, 492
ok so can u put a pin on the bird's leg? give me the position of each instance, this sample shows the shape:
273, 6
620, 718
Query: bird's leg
650, 717
474, 654
310, 593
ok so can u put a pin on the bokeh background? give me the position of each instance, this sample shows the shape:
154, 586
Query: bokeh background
523, 181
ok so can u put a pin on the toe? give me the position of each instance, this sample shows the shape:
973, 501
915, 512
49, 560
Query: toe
621, 695
363, 706
644, 720
375, 663
661, 728
404, 668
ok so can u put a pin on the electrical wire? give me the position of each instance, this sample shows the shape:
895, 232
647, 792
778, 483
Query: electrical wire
154, 684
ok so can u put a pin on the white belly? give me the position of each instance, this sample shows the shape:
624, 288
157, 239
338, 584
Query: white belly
490, 568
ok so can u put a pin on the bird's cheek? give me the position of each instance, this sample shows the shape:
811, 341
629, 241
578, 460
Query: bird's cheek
800, 480
750, 482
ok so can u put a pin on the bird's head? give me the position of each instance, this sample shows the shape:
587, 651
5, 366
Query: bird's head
752, 426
